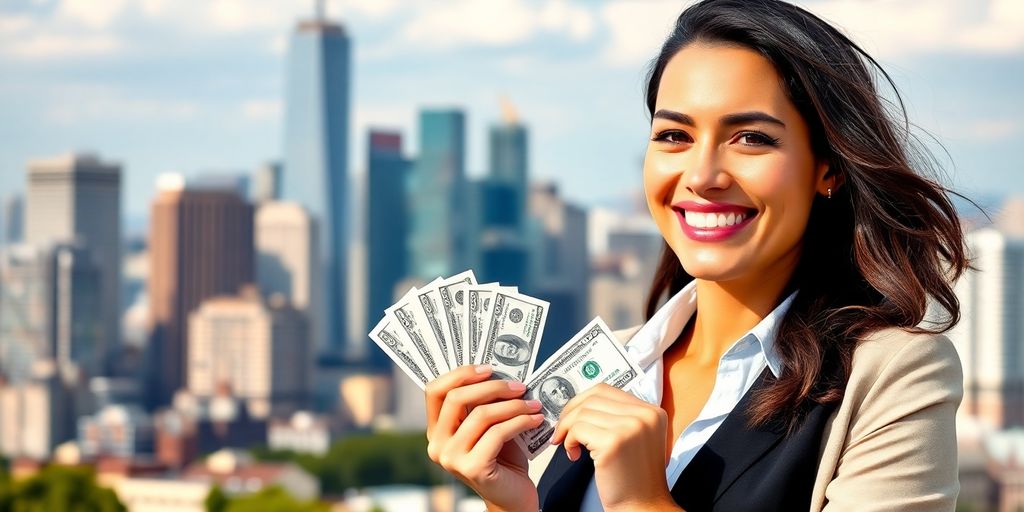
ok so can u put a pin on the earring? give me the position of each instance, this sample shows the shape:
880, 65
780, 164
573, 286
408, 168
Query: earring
830, 192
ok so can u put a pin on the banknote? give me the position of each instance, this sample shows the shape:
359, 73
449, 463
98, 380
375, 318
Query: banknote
390, 338
453, 299
478, 306
590, 357
429, 299
514, 327
407, 314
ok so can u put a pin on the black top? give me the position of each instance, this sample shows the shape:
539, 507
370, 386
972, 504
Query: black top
738, 469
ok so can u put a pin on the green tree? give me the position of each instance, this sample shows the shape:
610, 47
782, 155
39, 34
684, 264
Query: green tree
58, 489
270, 499
366, 460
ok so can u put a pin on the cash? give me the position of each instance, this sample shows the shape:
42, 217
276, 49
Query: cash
591, 357
454, 321
514, 325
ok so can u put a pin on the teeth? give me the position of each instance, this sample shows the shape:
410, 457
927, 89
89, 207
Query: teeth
713, 220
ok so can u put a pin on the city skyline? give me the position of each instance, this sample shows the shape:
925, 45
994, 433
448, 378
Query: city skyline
87, 79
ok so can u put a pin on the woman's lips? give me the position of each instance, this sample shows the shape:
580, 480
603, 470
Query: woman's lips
712, 222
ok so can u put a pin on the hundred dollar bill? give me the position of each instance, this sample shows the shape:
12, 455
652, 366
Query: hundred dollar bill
453, 298
590, 357
390, 338
429, 299
478, 306
407, 314
514, 328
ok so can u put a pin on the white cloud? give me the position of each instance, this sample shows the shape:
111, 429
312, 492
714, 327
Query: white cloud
54, 46
92, 14
261, 110
86, 105
374, 9
636, 34
987, 130
495, 23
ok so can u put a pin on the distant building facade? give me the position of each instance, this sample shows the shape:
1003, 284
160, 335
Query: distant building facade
77, 198
201, 245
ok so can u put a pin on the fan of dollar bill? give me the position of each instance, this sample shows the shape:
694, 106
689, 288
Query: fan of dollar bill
456, 321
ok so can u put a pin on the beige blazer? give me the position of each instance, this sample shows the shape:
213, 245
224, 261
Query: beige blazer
891, 443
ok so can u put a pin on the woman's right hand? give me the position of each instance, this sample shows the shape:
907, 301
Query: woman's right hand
471, 422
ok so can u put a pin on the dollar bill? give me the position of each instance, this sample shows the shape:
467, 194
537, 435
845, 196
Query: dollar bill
429, 299
478, 306
590, 357
514, 328
452, 293
390, 338
407, 314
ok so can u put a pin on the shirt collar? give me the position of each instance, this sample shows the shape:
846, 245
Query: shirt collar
654, 338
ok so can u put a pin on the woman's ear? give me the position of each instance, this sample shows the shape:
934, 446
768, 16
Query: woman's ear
827, 179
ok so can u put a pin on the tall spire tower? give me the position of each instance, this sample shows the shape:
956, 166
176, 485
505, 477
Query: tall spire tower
316, 154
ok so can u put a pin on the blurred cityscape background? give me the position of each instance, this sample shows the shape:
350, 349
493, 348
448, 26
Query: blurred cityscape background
207, 204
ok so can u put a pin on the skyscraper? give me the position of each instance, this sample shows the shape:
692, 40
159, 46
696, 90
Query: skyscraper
509, 155
77, 197
991, 329
437, 187
560, 266
14, 219
387, 231
50, 309
288, 260
316, 149
266, 184
201, 245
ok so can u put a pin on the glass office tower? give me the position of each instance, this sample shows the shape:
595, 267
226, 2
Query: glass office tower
316, 154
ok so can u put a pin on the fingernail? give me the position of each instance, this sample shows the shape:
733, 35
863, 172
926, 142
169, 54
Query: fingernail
515, 385
483, 368
536, 417
533, 404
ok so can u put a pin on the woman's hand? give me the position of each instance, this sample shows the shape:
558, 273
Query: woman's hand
626, 439
471, 422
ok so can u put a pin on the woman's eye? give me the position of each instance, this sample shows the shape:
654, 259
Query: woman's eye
757, 139
672, 137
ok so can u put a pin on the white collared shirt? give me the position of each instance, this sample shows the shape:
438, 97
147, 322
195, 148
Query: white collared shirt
738, 369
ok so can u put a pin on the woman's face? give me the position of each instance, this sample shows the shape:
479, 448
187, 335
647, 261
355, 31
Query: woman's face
729, 174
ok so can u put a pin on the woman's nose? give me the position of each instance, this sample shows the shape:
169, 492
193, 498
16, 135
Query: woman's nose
703, 170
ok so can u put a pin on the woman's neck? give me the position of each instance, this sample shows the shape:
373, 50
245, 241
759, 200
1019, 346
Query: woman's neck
726, 310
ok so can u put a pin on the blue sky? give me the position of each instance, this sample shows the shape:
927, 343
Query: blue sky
197, 85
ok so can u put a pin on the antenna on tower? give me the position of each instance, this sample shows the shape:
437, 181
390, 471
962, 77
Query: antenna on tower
319, 9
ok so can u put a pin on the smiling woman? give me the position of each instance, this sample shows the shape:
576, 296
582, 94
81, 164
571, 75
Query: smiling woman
792, 366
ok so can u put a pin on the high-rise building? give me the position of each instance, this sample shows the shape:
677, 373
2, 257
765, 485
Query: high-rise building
991, 329
316, 150
35, 416
509, 158
201, 245
387, 230
116, 430
496, 220
560, 264
77, 197
13, 219
258, 351
267, 183
288, 260
438, 236
50, 309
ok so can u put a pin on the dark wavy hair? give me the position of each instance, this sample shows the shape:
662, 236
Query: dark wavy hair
888, 240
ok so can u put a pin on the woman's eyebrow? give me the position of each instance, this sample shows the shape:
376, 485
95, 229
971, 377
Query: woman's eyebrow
726, 120
750, 117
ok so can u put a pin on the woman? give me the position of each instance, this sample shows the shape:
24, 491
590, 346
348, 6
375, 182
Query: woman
791, 367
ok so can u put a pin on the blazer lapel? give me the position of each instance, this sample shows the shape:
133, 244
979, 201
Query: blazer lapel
564, 482
707, 476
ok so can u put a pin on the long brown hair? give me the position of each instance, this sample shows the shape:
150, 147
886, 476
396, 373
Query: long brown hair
887, 241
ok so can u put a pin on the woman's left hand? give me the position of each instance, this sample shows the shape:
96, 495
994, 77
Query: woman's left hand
626, 439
